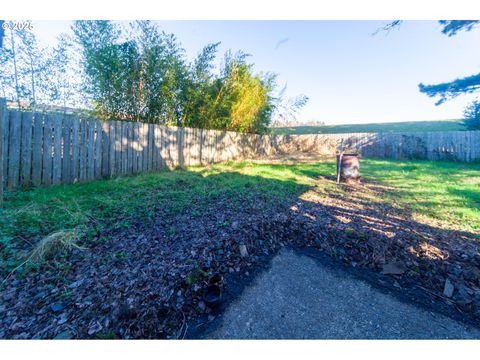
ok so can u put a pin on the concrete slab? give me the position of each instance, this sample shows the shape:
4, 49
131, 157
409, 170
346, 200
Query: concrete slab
299, 298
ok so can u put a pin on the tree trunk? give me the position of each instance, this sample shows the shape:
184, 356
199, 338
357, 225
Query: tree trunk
17, 91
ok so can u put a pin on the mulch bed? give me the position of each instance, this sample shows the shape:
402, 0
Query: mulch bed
147, 281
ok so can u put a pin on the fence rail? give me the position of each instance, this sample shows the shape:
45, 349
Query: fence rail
47, 148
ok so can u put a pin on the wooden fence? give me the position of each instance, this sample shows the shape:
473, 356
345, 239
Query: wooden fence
439, 145
47, 148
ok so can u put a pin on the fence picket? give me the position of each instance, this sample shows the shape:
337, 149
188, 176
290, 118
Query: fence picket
149, 146
75, 168
14, 150
111, 147
180, 148
168, 140
82, 156
124, 144
194, 149
155, 147
98, 149
140, 147
135, 146
47, 150
105, 150
172, 144
129, 144
6, 140
3, 113
26, 149
57, 150
211, 146
67, 150
91, 150
118, 148
163, 147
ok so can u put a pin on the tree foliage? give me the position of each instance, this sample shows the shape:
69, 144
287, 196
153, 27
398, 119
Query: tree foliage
32, 74
472, 115
142, 73
24, 67
451, 89
287, 109
451, 27
138, 72
469, 84
465, 85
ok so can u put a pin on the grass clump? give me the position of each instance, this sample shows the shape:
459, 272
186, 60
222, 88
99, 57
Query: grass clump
57, 243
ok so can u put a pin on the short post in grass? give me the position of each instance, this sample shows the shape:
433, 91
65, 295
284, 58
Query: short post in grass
348, 167
3, 114
348, 164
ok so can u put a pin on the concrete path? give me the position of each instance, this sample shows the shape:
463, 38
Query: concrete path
299, 298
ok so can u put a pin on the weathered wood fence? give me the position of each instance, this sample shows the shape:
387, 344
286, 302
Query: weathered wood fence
439, 145
48, 148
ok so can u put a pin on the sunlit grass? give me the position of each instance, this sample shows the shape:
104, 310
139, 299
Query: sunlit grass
442, 190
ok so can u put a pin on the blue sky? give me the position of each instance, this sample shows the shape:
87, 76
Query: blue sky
349, 75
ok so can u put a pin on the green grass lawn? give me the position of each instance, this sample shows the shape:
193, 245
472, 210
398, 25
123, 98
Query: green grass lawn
406, 126
448, 192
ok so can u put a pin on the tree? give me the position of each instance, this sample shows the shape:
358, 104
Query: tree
163, 72
237, 99
472, 115
101, 66
286, 109
466, 85
63, 85
142, 73
451, 89
35, 67
23, 67
451, 27
201, 89
138, 72
9, 76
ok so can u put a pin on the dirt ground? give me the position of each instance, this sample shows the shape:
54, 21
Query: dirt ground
147, 281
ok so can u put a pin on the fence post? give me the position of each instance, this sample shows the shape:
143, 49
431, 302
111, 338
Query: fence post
3, 113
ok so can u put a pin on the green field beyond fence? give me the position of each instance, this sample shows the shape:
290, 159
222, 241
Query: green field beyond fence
404, 126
